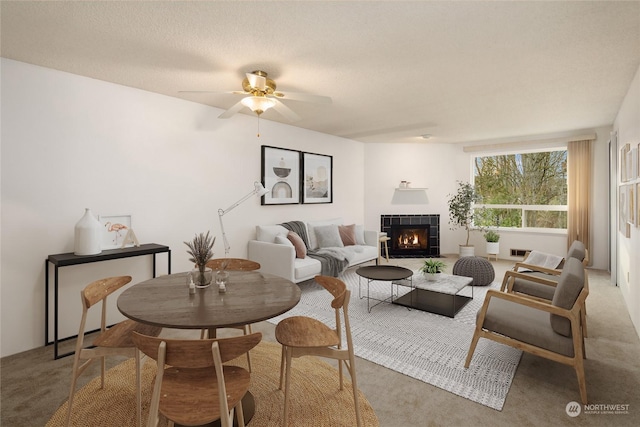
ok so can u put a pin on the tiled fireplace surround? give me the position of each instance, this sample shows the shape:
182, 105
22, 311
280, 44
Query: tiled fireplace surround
422, 220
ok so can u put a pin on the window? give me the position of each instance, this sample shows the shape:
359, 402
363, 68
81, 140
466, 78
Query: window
522, 190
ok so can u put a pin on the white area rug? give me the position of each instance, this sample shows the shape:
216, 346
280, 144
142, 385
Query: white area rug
425, 346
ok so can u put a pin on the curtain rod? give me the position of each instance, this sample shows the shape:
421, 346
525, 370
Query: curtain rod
527, 144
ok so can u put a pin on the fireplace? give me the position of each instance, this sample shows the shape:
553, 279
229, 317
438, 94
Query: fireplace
412, 236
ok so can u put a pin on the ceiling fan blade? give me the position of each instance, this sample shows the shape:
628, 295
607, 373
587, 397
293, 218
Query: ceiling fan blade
318, 99
233, 92
200, 91
286, 111
256, 81
231, 111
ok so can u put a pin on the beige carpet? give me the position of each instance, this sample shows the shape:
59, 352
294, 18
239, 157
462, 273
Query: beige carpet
316, 399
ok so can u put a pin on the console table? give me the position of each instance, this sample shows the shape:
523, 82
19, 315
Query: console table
67, 259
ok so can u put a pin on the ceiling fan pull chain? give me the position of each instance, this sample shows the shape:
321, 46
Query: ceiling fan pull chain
258, 126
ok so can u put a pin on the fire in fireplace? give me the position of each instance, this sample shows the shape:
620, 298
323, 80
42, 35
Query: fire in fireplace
412, 235
409, 240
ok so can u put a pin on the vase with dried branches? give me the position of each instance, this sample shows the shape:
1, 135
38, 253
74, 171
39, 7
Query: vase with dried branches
201, 251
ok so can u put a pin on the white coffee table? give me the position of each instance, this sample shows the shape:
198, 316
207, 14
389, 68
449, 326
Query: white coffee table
440, 296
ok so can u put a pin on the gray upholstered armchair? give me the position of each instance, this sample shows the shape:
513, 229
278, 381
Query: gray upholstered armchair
547, 329
539, 282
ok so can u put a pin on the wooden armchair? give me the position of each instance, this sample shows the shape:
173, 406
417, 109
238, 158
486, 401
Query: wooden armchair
547, 329
539, 282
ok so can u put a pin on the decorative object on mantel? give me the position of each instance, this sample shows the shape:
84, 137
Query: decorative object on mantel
461, 213
200, 249
88, 234
258, 190
431, 268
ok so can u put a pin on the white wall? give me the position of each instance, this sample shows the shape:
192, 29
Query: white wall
71, 142
627, 125
439, 166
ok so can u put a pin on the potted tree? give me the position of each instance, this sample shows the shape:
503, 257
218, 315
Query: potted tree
461, 213
492, 238
431, 268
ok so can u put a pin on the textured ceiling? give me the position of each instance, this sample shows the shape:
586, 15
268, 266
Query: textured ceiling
461, 71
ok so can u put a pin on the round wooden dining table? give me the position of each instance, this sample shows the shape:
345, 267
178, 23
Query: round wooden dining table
250, 297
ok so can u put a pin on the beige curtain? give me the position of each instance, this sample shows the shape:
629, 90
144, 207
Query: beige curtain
579, 192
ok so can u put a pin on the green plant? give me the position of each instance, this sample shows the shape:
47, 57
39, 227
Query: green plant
491, 236
461, 207
200, 249
432, 266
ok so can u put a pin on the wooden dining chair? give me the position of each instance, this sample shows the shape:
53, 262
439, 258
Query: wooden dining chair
116, 340
233, 264
305, 336
192, 387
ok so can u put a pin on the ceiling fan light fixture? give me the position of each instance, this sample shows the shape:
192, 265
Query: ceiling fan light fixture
258, 104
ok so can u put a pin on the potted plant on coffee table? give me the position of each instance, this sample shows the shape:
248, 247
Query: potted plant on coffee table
461, 213
200, 249
431, 268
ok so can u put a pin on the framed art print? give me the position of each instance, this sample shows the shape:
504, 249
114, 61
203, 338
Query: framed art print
317, 186
637, 205
281, 176
115, 229
631, 217
625, 166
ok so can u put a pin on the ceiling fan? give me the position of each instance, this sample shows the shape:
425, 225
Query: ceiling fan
260, 95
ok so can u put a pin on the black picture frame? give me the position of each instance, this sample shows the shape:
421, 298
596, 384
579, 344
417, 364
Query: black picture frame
317, 178
281, 175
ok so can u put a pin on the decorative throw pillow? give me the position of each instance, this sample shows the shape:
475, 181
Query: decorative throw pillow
311, 234
347, 234
360, 235
298, 244
268, 233
282, 239
328, 236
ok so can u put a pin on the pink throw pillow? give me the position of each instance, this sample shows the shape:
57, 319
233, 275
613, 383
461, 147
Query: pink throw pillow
298, 244
347, 234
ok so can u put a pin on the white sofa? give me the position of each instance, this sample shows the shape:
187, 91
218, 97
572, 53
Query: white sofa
280, 258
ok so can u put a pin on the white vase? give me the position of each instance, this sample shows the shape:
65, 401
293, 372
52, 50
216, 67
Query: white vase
431, 277
88, 233
467, 251
493, 248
